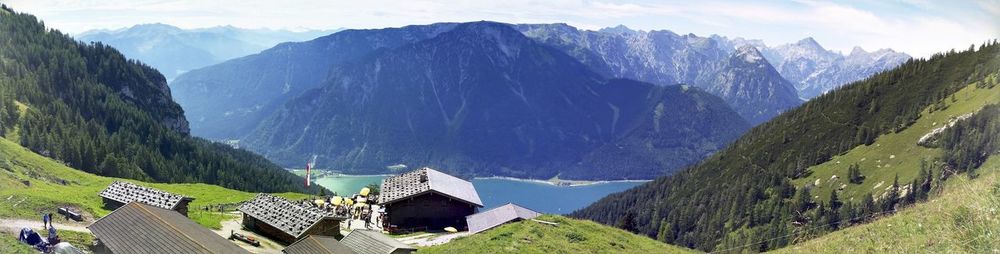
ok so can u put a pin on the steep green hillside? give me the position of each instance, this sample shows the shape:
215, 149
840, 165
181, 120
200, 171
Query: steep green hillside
89, 107
895, 153
570, 236
30, 184
964, 218
744, 197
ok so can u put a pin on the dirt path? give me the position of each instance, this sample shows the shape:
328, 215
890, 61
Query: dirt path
266, 244
15, 225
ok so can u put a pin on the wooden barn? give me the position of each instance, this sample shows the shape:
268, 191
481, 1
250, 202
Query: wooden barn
120, 193
287, 221
426, 199
141, 228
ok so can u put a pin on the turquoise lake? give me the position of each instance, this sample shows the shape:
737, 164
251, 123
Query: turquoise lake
542, 197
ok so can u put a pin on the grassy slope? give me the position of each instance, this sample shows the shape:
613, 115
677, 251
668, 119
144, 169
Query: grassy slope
9, 244
45, 192
896, 153
571, 236
965, 217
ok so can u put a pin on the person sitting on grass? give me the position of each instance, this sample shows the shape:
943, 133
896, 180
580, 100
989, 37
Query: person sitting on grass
53, 237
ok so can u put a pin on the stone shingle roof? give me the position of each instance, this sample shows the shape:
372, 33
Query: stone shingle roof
425, 180
315, 244
290, 217
373, 242
141, 228
498, 216
126, 192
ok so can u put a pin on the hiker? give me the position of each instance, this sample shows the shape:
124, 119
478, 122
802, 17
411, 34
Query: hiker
45, 220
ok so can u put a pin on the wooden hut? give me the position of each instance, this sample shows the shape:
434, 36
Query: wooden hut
318, 245
374, 242
120, 193
287, 221
427, 199
141, 228
498, 216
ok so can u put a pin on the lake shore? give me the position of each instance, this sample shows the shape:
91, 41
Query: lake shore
555, 181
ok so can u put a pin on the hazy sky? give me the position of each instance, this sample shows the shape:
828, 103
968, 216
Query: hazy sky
917, 27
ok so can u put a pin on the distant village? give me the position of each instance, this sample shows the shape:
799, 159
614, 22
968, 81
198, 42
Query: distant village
418, 208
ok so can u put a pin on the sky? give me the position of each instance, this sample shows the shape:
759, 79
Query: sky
917, 27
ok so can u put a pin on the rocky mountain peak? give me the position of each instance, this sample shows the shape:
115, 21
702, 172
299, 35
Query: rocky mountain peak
858, 51
748, 54
810, 43
619, 30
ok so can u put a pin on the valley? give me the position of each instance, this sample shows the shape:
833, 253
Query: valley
181, 127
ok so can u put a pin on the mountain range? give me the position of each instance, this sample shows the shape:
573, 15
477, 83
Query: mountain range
815, 70
271, 101
482, 99
173, 50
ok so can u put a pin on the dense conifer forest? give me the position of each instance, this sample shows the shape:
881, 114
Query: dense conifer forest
742, 197
91, 108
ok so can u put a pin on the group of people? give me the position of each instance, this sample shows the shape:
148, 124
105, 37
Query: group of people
47, 224
30, 237
355, 207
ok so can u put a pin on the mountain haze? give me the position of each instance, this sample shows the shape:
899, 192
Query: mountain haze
228, 100
173, 50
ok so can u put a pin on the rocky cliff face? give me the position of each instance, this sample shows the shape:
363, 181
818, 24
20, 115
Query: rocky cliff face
754, 88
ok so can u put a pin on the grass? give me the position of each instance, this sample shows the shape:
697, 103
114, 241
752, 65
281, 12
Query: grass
571, 236
895, 153
964, 218
52, 185
9, 244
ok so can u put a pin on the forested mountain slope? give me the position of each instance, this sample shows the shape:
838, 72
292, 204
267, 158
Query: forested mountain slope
744, 196
91, 108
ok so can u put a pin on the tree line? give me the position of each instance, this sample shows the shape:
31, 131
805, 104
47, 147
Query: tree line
91, 108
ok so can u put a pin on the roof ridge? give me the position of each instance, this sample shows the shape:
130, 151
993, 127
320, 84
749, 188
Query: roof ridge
171, 226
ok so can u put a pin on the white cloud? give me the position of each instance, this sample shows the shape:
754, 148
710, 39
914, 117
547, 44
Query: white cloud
835, 25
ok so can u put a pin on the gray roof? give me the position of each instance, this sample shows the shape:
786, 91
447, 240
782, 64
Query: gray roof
373, 242
292, 218
315, 244
126, 192
141, 228
426, 180
498, 216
